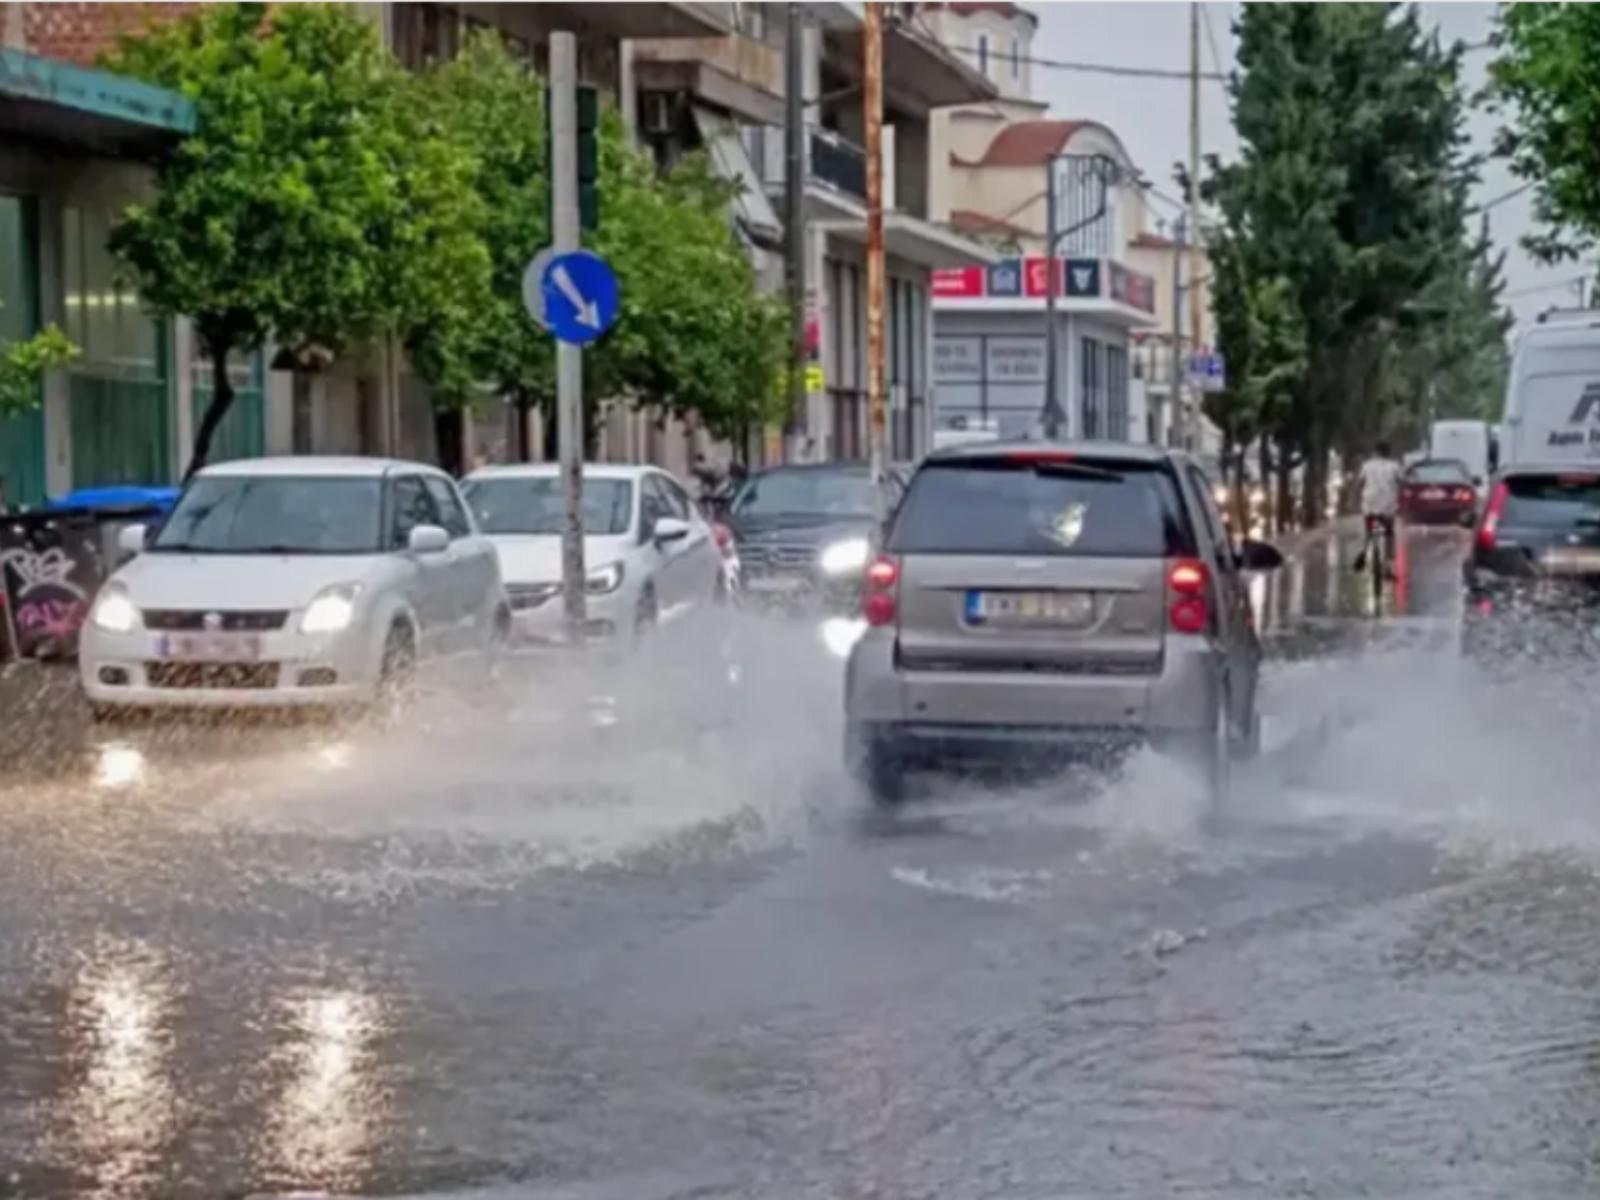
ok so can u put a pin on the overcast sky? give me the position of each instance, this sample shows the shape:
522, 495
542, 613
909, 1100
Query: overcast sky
1152, 115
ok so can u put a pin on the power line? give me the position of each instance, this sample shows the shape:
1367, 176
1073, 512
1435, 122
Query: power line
1545, 287
1211, 37
1097, 68
1503, 197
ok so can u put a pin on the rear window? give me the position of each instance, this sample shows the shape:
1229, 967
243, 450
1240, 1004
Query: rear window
1439, 472
1552, 501
1108, 510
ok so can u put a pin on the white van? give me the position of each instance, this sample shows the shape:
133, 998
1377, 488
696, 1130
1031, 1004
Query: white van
1552, 411
1467, 442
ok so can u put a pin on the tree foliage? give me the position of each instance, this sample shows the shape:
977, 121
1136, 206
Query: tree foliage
1347, 284
694, 336
1548, 75
313, 207
23, 365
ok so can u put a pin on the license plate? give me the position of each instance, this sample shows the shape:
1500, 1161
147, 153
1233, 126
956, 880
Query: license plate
209, 647
1030, 608
1432, 494
774, 584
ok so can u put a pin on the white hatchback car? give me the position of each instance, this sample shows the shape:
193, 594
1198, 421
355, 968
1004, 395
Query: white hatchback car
649, 554
293, 581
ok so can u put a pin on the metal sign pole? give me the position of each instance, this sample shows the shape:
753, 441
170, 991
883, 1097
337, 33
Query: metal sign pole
569, 358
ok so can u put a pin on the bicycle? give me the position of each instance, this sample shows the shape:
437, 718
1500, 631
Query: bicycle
1377, 552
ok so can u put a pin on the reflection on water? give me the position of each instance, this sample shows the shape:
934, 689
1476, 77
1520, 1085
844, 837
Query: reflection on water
324, 1122
118, 765
124, 1108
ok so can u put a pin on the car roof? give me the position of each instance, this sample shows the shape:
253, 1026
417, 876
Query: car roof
546, 470
847, 467
320, 465
1121, 451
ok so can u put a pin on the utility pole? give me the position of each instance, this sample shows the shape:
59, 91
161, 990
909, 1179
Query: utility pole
794, 192
872, 102
1195, 231
569, 358
1052, 402
1177, 428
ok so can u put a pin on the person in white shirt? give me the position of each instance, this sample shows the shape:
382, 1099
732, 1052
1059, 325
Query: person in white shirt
1380, 497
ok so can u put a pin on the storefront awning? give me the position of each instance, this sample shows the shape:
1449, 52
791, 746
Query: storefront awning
42, 100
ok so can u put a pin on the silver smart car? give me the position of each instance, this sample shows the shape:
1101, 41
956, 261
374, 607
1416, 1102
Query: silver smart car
1057, 599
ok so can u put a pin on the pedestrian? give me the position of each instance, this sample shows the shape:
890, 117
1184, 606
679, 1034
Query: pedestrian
1380, 499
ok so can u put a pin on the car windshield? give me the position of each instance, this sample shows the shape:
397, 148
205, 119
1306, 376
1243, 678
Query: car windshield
1001, 507
534, 505
806, 492
1552, 501
1443, 471
275, 514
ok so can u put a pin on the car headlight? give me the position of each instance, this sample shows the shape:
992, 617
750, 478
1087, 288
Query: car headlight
331, 610
114, 612
842, 558
604, 581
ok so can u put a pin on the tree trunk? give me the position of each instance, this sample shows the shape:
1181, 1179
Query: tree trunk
300, 411
449, 428
221, 402
552, 431
1264, 465
1315, 492
1285, 503
1241, 501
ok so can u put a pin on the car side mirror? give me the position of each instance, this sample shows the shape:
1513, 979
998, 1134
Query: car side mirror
670, 529
428, 539
1259, 556
131, 538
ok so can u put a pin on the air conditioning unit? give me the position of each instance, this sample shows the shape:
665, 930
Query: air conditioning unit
658, 113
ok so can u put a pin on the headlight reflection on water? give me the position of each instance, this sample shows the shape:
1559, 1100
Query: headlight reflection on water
119, 766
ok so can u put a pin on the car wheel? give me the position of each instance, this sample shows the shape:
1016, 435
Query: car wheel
1210, 754
877, 766
397, 676
647, 616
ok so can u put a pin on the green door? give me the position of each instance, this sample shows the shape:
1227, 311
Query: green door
22, 437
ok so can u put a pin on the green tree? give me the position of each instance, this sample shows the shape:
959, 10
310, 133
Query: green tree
1547, 75
23, 364
1350, 195
314, 207
694, 336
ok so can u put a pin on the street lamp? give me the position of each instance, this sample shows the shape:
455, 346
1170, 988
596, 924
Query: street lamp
1105, 173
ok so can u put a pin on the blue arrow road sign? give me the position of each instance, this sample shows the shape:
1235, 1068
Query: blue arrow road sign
580, 296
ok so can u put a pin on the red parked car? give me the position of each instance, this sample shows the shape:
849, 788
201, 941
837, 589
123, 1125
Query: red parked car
1439, 491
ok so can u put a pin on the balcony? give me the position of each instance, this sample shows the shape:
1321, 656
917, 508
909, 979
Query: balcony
831, 162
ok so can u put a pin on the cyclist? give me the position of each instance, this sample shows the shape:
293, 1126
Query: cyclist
1380, 499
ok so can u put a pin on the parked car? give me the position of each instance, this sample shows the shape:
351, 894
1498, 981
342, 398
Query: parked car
649, 554
1038, 599
293, 581
1438, 491
1533, 574
806, 533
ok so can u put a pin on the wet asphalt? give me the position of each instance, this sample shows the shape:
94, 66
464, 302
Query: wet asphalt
636, 937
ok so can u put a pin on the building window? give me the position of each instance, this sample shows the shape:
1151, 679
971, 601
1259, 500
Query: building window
1117, 393
983, 53
1016, 58
1093, 378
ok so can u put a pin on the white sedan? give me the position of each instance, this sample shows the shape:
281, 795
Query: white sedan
649, 555
293, 581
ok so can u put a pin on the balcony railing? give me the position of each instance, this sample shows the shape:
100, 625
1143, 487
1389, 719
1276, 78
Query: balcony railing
830, 160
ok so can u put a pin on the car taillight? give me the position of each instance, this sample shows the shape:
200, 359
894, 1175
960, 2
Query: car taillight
1187, 579
1465, 495
879, 600
1489, 529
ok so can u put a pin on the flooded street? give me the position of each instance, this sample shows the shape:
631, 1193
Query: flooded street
641, 938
